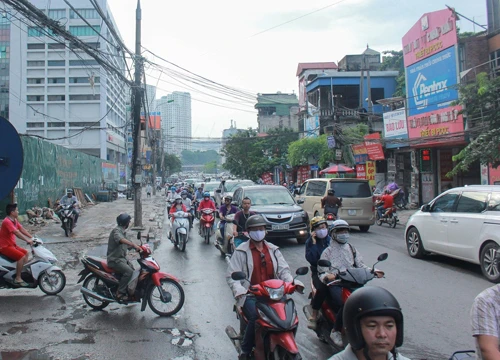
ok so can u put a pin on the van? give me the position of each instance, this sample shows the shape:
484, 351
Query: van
357, 208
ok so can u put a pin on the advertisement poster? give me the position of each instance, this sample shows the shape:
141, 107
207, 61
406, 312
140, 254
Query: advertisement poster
303, 173
360, 153
395, 127
361, 171
109, 171
437, 126
311, 126
494, 175
374, 147
267, 178
432, 83
370, 172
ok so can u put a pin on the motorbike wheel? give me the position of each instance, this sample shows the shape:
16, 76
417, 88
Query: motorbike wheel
175, 298
379, 220
91, 283
394, 222
52, 284
207, 236
182, 242
281, 354
67, 227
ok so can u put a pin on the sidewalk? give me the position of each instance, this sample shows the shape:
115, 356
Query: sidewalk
404, 215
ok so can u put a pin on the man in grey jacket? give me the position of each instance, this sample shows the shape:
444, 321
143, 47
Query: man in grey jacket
260, 261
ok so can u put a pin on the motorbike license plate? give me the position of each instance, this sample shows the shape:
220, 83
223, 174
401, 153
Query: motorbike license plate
280, 227
351, 212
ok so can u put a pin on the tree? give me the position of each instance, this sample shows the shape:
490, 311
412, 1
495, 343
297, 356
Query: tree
199, 157
172, 164
300, 152
210, 167
481, 109
394, 60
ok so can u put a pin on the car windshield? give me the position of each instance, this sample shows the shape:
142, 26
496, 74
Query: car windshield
211, 187
231, 185
351, 189
277, 196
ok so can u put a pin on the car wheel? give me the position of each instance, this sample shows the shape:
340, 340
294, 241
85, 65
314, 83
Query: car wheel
414, 244
489, 266
364, 228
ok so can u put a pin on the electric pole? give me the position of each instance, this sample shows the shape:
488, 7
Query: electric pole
136, 103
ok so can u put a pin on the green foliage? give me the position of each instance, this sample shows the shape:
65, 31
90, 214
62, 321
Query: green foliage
314, 148
394, 60
210, 167
355, 134
171, 164
481, 109
199, 157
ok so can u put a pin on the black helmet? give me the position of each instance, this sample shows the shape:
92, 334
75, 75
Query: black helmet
255, 220
331, 192
228, 197
123, 219
370, 301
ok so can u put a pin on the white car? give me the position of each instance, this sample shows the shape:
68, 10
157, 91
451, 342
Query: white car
463, 223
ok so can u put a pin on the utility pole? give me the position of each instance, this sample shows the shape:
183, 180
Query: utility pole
136, 103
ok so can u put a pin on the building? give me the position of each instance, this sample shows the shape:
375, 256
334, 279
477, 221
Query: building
175, 111
369, 59
61, 93
150, 93
277, 110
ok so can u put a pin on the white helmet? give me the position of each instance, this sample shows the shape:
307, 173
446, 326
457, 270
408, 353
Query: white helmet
339, 225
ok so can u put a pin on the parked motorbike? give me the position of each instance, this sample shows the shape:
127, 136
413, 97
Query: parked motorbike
277, 319
207, 220
161, 291
39, 271
390, 216
179, 233
349, 280
67, 216
226, 244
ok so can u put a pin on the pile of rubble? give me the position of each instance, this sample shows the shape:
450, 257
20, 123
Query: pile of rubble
41, 216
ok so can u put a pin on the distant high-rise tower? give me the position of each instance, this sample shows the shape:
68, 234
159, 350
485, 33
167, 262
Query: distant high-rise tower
176, 121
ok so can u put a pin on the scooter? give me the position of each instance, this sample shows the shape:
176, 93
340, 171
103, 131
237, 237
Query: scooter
196, 203
180, 225
226, 245
67, 216
330, 218
390, 216
277, 319
207, 221
39, 271
161, 291
349, 280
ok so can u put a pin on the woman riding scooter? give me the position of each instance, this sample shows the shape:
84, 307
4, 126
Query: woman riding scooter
176, 206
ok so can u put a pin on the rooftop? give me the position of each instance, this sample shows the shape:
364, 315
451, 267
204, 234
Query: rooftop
315, 66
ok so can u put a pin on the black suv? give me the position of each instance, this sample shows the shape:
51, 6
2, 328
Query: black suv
285, 219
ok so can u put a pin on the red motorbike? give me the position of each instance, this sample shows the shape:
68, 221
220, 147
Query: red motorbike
207, 220
163, 292
277, 319
349, 280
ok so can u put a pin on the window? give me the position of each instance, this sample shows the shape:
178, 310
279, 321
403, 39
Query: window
56, 80
85, 30
35, 97
85, 13
494, 203
36, 63
3, 52
56, 97
94, 45
36, 46
472, 202
34, 31
57, 14
83, 62
36, 80
56, 62
351, 189
82, 124
316, 188
445, 203
302, 189
55, 124
35, 124
377, 94
85, 97
57, 46
83, 80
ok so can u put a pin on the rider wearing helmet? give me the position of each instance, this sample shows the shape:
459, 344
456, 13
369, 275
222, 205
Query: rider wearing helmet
373, 325
315, 245
342, 256
387, 201
207, 202
177, 205
260, 261
330, 203
226, 209
186, 201
198, 195
117, 254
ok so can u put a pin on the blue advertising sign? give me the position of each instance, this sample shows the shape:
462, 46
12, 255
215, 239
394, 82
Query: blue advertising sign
431, 82
361, 158
331, 142
311, 126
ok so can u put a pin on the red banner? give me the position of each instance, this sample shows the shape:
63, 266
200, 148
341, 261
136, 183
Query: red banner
361, 171
374, 147
267, 178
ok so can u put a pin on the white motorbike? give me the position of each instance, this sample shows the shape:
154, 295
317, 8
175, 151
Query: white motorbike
226, 244
179, 232
39, 271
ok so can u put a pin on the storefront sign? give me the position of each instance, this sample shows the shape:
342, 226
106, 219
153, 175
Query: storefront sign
360, 153
437, 126
370, 172
434, 32
267, 178
494, 175
361, 171
374, 147
303, 173
395, 127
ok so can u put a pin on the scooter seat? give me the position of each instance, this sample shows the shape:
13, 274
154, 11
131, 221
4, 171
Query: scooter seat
6, 258
101, 263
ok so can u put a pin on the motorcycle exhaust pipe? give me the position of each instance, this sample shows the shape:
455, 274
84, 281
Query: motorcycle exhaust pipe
95, 295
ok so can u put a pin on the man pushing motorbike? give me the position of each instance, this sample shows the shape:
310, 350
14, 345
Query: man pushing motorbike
260, 261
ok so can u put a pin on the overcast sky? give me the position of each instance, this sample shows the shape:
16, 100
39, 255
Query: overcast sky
225, 41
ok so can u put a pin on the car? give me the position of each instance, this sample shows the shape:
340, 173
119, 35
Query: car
285, 219
231, 185
462, 223
358, 208
211, 187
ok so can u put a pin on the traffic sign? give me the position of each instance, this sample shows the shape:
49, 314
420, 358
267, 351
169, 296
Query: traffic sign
331, 142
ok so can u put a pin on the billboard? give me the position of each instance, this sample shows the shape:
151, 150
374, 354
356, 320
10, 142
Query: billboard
431, 82
395, 127
433, 33
374, 147
437, 126
360, 153
311, 126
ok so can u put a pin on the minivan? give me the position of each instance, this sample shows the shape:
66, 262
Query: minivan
357, 207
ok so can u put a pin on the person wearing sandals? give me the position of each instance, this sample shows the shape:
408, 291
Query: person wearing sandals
12, 228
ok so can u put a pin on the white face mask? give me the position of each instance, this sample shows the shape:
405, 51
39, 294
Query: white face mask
342, 238
257, 235
321, 233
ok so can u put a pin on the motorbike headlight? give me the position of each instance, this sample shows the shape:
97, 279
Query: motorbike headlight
266, 318
276, 294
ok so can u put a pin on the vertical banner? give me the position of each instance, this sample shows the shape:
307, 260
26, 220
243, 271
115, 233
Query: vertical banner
360, 171
370, 172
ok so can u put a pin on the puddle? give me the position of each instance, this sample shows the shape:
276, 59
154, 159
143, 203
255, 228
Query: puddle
24, 355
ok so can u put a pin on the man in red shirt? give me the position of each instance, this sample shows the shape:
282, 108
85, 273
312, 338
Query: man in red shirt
387, 203
8, 247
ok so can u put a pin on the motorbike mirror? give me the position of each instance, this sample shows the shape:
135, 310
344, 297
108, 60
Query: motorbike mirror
324, 263
302, 270
139, 235
383, 257
238, 275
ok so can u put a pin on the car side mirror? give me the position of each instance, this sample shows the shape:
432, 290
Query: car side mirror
238, 275
300, 201
425, 208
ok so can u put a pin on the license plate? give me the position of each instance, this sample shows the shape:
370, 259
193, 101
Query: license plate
280, 227
351, 212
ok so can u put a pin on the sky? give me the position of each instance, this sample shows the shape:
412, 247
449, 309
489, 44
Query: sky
241, 45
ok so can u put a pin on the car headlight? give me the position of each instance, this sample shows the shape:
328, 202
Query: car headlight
300, 214
276, 294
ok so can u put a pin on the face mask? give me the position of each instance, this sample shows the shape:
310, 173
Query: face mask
342, 238
257, 235
321, 233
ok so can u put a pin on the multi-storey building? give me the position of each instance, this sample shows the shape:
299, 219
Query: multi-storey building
61, 93
176, 121
277, 111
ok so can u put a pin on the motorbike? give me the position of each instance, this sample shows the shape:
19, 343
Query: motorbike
349, 280
67, 216
148, 286
226, 244
40, 271
330, 218
277, 319
179, 234
399, 199
196, 203
390, 216
207, 221
169, 205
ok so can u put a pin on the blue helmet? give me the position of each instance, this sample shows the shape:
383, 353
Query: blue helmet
206, 194
184, 193
173, 188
